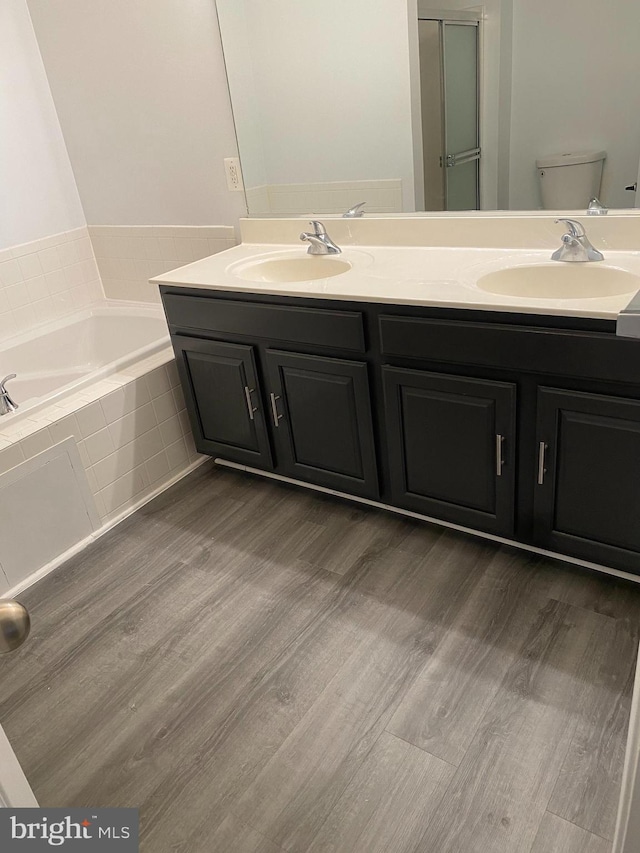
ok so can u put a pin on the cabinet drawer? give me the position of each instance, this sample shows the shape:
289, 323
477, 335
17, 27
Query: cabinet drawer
590, 355
319, 327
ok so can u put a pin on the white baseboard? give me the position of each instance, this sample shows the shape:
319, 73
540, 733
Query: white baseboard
439, 522
108, 525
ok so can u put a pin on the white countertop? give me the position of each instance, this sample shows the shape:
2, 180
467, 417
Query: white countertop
436, 277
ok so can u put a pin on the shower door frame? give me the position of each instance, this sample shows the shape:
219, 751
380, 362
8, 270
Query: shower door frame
472, 154
425, 12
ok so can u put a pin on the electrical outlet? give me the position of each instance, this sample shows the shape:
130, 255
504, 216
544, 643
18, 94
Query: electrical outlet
234, 174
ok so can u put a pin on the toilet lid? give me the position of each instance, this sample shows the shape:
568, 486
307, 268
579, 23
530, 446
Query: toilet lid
571, 158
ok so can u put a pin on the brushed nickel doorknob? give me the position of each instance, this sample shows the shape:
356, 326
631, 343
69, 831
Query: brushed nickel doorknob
15, 624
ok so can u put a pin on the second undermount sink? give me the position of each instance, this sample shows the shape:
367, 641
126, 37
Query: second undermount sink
290, 269
560, 281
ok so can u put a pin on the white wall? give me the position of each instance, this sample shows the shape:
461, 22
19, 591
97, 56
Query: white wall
348, 115
575, 87
141, 93
240, 70
38, 194
350, 119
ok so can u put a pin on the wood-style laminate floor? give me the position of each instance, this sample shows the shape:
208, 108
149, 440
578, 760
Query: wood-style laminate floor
261, 669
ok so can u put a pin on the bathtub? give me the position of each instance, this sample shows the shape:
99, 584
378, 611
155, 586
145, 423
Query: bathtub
65, 357
101, 428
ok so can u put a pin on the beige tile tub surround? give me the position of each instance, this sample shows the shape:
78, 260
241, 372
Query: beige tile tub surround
45, 280
128, 256
382, 196
131, 429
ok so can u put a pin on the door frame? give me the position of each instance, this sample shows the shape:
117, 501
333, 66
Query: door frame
15, 790
627, 835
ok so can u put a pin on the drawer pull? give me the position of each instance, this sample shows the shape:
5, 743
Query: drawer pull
274, 409
541, 460
499, 455
250, 407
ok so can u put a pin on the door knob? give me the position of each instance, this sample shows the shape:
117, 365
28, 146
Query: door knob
15, 624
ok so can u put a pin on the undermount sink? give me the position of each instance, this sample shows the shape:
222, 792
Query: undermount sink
560, 281
304, 268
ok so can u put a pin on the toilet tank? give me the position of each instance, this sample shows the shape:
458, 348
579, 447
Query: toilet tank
570, 181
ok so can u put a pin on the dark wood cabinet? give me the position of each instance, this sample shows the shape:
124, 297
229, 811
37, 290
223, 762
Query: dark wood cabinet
451, 445
323, 428
442, 412
223, 399
587, 499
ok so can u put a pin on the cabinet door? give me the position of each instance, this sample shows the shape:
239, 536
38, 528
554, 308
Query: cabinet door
587, 498
451, 446
322, 421
223, 400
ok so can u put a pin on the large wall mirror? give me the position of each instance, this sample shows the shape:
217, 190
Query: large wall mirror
414, 105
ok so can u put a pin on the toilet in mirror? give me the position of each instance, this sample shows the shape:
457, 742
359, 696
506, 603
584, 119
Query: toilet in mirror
571, 181
434, 105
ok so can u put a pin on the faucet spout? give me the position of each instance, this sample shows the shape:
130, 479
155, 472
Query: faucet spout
319, 241
576, 246
7, 405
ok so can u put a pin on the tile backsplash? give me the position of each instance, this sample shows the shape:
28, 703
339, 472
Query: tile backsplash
128, 256
45, 280
381, 196
57, 275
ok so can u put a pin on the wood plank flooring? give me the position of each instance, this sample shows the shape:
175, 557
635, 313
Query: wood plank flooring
261, 669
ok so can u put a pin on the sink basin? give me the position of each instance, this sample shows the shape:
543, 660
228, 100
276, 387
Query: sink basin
304, 268
560, 281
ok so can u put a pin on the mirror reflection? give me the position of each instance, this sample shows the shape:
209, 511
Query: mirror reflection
410, 105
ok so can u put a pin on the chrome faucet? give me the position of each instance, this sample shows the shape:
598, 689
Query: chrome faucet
319, 242
596, 208
354, 211
6, 403
576, 247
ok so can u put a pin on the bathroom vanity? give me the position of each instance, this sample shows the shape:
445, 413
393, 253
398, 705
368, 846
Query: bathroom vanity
522, 424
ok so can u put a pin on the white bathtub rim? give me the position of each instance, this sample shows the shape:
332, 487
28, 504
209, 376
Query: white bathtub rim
101, 308
111, 308
108, 525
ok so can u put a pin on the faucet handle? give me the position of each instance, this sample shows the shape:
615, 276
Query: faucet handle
576, 229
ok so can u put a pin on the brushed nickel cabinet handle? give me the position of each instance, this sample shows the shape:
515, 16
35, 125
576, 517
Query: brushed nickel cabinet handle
499, 456
541, 459
250, 407
274, 409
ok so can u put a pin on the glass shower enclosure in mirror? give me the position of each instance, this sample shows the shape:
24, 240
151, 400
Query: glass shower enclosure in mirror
450, 113
415, 105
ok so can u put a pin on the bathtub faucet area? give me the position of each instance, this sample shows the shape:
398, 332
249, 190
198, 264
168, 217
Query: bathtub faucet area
7, 405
